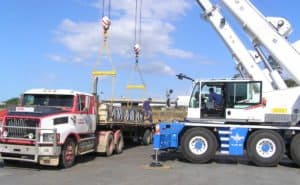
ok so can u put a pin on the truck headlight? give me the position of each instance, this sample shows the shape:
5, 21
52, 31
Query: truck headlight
49, 137
30, 135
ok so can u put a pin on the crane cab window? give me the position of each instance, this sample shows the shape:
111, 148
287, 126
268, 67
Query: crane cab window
212, 99
194, 100
243, 94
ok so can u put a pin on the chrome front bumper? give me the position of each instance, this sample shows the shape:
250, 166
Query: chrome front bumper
27, 153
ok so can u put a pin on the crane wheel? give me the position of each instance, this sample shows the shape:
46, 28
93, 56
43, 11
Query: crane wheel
295, 149
265, 148
198, 145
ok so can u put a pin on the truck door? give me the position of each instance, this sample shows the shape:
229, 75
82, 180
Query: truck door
194, 104
85, 120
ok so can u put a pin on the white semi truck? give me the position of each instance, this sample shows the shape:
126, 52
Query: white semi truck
258, 115
52, 127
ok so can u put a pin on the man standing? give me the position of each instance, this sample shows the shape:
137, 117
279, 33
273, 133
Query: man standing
147, 110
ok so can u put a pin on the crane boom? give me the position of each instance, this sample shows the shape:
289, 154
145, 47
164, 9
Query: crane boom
264, 33
237, 48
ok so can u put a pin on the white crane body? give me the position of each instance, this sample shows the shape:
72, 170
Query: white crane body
260, 116
265, 34
238, 50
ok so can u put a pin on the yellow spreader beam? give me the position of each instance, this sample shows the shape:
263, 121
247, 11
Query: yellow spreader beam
135, 86
104, 73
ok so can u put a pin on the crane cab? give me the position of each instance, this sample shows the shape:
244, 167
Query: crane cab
225, 99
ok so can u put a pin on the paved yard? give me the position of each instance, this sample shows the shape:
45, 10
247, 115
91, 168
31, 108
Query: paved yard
131, 168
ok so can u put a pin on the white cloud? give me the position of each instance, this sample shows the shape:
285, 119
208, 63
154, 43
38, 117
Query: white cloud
56, 58
158, 68
84, 39
65, 59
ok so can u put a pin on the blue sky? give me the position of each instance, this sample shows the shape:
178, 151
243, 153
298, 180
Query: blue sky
55, 44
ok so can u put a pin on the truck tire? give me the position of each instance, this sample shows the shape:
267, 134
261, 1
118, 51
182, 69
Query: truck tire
295, 149
198, 145
68, 155
147, 137
109, 145
265, 148
119, 144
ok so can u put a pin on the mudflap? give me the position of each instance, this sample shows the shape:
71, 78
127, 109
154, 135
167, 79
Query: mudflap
167, 136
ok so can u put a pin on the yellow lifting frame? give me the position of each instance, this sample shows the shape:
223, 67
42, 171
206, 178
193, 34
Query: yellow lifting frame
135, 86
104, 73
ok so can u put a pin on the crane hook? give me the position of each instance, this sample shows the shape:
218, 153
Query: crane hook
137, 49
106, 23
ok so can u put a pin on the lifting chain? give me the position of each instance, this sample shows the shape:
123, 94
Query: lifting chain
137, 30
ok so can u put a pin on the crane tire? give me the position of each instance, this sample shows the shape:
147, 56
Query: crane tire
198, 145
265, 148
295, 149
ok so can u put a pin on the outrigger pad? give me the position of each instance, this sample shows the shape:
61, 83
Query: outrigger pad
104, 73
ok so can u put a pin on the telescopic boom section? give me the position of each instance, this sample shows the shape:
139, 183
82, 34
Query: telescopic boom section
234, 44
263, 33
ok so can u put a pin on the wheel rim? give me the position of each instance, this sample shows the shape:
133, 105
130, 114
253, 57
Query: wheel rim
198, 145
265, 148
69, 153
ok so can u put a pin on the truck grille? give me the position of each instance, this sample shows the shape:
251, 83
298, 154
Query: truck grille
21, 127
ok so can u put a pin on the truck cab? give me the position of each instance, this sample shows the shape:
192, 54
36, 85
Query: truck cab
225, 100
47, 126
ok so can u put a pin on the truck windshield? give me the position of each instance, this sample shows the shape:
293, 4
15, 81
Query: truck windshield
48, 100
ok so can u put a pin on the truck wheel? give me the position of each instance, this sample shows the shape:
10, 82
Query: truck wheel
265, 148
147, 138
198, 145
120, 144
110, 145
295, 149
68, 156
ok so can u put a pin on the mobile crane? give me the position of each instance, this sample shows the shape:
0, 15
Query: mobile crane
260, 115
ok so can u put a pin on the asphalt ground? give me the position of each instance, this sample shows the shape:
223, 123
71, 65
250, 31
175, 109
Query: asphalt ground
132, 167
